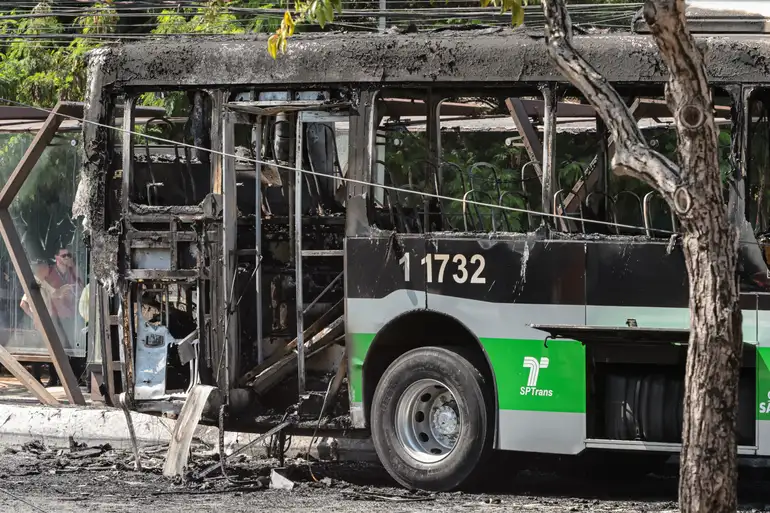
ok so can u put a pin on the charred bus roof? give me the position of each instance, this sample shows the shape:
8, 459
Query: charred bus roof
470, 57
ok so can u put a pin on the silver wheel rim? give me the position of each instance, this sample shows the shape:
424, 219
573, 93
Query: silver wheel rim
428, 421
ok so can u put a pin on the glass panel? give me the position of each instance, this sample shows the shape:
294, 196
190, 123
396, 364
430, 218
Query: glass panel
53, 242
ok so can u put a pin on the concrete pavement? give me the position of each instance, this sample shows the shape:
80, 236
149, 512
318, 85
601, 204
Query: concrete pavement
54, 426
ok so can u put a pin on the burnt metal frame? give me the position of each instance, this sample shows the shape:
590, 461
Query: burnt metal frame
40, 313
256, 137
140, 238
229, 246
579, 190
528, 133
303, 117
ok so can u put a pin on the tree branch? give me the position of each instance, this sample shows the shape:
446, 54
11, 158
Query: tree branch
632, 154
687, 93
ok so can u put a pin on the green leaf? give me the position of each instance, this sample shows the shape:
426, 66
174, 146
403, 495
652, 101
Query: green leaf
517, 13
328, 10
272, 46
321, 14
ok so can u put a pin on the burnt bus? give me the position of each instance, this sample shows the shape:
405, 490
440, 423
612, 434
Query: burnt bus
413, 236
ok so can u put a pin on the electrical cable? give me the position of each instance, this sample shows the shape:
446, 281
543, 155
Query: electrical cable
223, 457
344, 179
397, 11
315, 430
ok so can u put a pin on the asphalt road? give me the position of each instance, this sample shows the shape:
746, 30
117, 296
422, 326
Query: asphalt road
34, 480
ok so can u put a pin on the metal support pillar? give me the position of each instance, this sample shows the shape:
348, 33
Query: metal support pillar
256, 136
229, 246
103, 323
128, 154
550, 178
298, 256
382, 22
433, 165
13, 243
603, 163
528, 134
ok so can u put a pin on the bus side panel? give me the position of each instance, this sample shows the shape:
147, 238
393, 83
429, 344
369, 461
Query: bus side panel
494, 288
647, 283
541, 389
497, 287
762, 408
376, 292
639, 281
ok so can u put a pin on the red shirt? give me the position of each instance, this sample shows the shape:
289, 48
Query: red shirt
66, 305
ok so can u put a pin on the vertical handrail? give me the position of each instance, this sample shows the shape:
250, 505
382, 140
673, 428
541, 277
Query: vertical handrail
481, 219
638, 200
560, 196
391, 205
526, 206
460, 173
503, 212
257, 132
413, 187
613, 210
524, 187
646, 211
313, 176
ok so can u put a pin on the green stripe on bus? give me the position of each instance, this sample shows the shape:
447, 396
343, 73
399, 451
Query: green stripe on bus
529, 375
360, 343
533, 377
763, 383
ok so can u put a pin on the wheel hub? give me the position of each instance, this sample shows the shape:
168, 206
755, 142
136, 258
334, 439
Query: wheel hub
428, 422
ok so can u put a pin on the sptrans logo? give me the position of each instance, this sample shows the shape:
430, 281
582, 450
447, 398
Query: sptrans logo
765, 406
534, 367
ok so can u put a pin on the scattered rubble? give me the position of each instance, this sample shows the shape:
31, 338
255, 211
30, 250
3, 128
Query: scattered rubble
279, 482
86, 478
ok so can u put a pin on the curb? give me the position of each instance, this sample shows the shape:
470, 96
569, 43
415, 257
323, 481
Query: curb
54, 426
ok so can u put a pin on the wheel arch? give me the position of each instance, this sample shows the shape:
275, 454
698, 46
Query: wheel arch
414, 329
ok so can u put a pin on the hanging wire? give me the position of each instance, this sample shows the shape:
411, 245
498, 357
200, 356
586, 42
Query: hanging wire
315, 173
352, 180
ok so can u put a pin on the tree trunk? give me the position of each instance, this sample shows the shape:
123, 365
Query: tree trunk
708, 473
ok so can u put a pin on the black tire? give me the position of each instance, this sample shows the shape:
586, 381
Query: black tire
474, 405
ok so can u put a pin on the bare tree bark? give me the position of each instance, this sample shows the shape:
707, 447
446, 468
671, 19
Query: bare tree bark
708, 479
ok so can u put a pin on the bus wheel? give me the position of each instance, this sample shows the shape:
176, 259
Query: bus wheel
431, 420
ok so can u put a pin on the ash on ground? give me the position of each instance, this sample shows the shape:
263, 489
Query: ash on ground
34, 478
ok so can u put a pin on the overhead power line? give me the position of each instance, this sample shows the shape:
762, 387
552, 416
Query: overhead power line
421, 13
